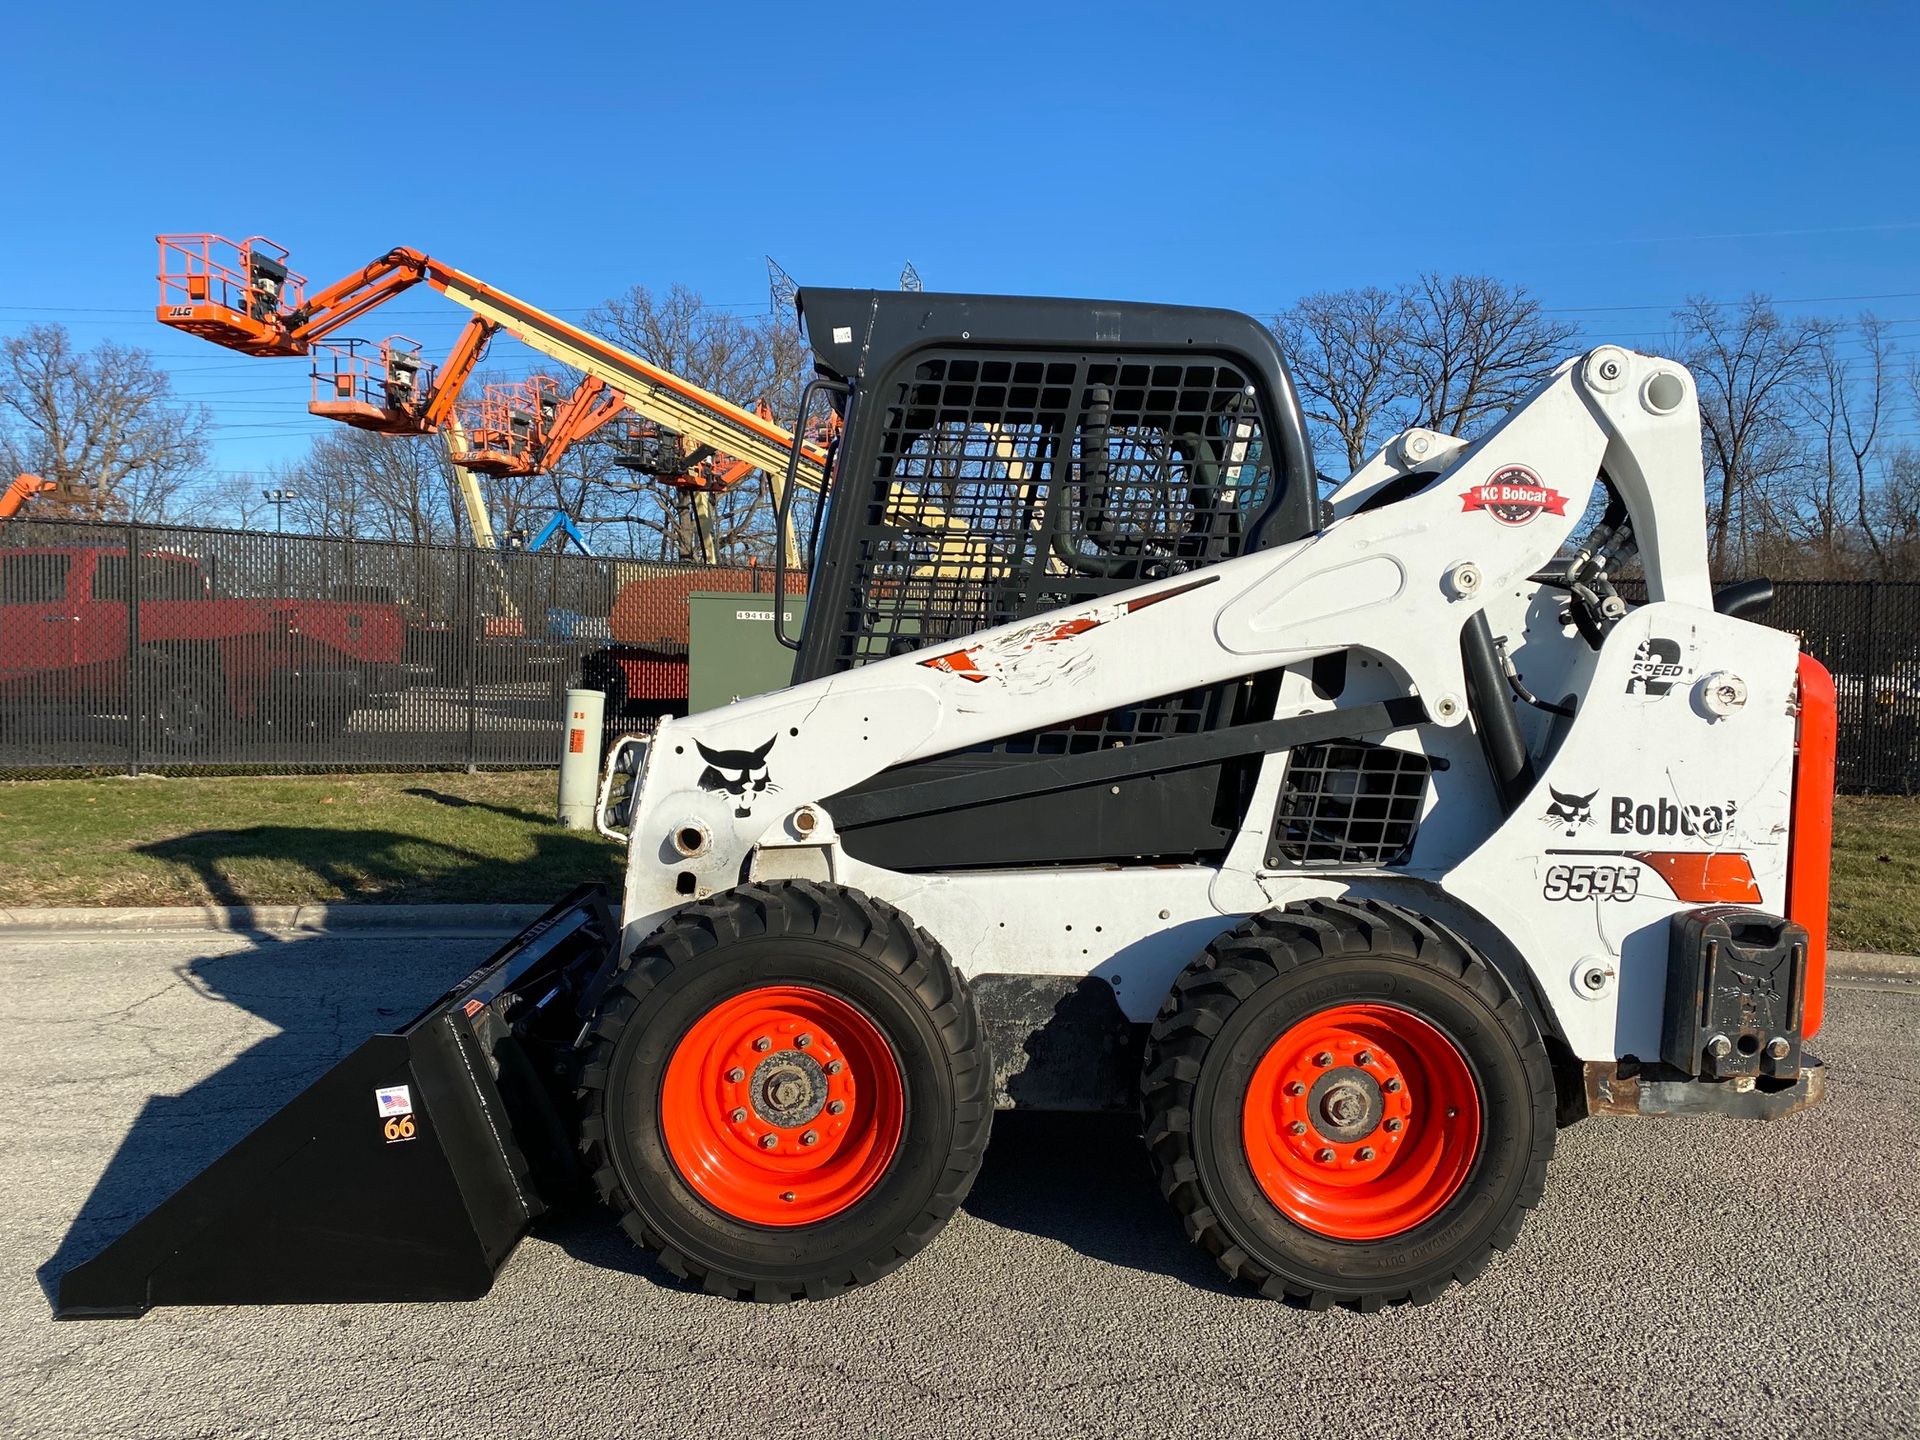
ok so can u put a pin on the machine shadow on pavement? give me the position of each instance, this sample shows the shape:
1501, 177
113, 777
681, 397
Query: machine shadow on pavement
324, 995
1079, 1179
1082, 1180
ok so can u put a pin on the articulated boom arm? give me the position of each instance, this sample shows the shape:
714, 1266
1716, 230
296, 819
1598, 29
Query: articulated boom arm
244, 297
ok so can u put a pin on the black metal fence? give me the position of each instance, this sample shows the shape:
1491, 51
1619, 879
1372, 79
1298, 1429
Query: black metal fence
1867, 632
138, 647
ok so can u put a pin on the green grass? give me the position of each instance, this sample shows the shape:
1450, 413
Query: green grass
440, 838
1876, 873
393, 839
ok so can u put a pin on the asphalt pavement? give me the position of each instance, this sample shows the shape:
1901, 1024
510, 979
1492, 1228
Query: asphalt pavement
1681, 1277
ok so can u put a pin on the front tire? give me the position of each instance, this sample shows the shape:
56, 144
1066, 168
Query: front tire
786, 1092
181, 712
1347, 1106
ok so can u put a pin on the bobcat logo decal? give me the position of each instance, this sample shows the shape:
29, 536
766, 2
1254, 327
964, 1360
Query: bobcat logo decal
1570, 811
740, 773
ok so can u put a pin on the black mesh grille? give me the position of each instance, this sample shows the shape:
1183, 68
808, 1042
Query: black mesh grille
1347, 803
1006, 486
1150, 720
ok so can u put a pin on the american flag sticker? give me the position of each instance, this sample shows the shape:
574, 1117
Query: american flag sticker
394, 1100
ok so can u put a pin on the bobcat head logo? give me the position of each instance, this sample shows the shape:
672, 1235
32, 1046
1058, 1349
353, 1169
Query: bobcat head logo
741, 773
1570, 811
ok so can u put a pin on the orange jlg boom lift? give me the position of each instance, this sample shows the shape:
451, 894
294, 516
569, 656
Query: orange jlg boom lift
244, 295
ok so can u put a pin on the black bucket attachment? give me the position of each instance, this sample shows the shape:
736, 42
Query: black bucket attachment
407, 1172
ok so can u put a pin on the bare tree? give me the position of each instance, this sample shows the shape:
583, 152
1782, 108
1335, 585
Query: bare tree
1846, 401
104, 420
1446, 352
1344, 349
1473, 348
742, 358
374, 487
1747, 363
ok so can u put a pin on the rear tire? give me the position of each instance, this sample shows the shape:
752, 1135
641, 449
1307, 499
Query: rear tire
181, 712
678, 1147
1422, 1089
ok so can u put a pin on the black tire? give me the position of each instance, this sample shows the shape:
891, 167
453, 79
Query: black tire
1245, 991
828, 938
182, 707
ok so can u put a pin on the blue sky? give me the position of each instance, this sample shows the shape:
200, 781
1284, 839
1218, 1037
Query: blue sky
1612, 158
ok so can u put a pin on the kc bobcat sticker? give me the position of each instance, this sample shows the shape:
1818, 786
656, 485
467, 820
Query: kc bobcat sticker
1514, 496
740, 773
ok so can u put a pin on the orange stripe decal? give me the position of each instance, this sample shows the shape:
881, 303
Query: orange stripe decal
1722, 877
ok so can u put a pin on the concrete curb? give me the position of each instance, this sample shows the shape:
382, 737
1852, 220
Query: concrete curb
334, 919
313, 919
1875, 963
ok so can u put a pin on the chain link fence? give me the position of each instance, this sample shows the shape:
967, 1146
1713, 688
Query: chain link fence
143, 647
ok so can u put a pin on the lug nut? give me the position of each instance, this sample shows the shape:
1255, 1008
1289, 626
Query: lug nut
736, 1075
1778, 1047
1393, 1125
1298, 1127
1294, 1087
1325, 1157
788, 1196
836, 1107
767, 1142
763, 1043
811, 1137
1364, 1153
1392, 1086
1452, 1112
1323, 1059
1365, 1057
834, 1067
739, 1117
804, 1041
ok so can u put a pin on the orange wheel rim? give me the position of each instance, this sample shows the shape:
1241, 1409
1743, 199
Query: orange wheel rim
1361, 1122
782, 1105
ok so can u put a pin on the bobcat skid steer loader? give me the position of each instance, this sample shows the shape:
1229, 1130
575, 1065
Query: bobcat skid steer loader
1352, 844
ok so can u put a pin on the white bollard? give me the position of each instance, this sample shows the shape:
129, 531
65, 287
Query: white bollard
580, 758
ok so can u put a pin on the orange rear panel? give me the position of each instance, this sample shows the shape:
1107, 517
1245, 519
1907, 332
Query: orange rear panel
1810, 851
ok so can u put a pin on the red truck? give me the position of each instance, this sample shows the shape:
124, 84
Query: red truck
205, 666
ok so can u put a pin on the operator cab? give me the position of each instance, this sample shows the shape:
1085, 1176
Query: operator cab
1090, 447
